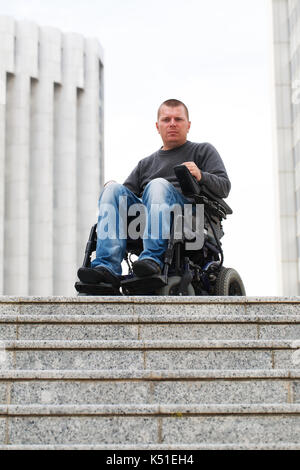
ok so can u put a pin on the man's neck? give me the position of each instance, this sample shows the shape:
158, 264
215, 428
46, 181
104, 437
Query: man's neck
171, 147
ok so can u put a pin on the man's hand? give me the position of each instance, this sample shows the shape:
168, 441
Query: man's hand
194, 170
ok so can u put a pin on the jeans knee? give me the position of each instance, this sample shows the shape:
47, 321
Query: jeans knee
158, 181
157, 191
111, 191
156, 184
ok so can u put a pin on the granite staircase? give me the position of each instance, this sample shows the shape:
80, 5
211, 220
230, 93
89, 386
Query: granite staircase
149, 373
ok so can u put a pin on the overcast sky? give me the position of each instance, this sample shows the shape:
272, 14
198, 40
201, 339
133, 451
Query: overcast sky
214, 55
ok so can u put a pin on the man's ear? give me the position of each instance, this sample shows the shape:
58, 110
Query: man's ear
157, 127
189, 126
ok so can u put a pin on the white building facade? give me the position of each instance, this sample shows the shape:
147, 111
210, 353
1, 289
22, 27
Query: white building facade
286, 38
51, 155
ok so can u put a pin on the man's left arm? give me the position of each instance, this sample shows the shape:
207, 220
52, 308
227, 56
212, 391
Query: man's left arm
210, 171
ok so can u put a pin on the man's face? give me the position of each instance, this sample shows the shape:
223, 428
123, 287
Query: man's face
173, 126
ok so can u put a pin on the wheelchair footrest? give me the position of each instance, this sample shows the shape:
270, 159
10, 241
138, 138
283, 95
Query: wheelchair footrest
96, 289
144, 284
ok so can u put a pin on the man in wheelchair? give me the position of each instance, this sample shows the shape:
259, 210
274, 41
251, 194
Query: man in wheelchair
180, 175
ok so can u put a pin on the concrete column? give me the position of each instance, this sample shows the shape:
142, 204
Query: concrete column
294, 18
16, 246
2, 171
50, 155
65, 156
7, 32
89, 125
286, 171
41, 164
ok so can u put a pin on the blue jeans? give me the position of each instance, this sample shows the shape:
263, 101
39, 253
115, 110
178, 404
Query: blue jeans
159, 195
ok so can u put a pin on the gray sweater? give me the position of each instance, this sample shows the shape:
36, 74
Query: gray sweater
160, 165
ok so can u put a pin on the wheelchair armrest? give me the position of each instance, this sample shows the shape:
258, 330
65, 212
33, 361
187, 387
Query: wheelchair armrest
211, 196
201, 194
187, 181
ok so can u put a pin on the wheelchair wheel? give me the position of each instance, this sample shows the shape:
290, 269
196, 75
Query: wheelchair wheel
172, 287
229, 283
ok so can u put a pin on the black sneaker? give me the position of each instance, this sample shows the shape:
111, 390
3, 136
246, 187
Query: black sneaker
98, 274
145, 267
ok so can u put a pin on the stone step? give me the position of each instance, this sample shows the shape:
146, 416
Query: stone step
149, 372
147, 354
147, 305
149, 387
154, 447
172, 326
193, 425
147, 319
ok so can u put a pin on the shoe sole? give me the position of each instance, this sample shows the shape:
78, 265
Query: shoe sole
141, 270
91, 276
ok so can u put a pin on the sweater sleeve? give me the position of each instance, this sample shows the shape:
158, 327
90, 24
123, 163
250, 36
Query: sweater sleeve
132, 182
214, 175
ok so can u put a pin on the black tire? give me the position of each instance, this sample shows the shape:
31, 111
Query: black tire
229, 283
170, 288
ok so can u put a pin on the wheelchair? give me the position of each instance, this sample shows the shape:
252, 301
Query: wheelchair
185, 272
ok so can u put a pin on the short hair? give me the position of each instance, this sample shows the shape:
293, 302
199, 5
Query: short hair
173, 103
